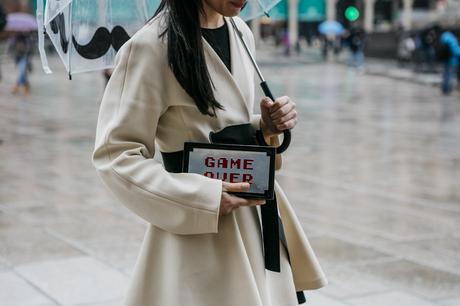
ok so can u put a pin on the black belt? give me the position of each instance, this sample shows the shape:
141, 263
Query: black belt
272, 227
271, 224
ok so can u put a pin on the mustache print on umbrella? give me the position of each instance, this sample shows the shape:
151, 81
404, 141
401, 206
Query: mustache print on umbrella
99, 44
58, 26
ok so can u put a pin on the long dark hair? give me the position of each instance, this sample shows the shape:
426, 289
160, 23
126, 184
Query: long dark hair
185, 52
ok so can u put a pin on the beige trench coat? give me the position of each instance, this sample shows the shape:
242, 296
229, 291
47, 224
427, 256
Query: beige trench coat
190, 256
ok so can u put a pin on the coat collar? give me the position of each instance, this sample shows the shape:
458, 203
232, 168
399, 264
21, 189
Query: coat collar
232, 90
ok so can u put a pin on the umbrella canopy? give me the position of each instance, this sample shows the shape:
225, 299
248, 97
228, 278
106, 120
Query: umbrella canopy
257, 8
20, 22
88, 33
330, 27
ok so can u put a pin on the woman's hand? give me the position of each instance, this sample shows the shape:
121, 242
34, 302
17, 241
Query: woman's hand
277, 116
229, 202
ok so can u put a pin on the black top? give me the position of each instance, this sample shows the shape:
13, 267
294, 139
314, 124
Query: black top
219, 40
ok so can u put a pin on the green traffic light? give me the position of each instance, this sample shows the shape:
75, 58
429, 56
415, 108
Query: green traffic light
351, 13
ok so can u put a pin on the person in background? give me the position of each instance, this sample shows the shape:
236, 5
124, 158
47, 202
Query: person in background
21, 47
451, 61
2, 26
428, 39
406, 49
356, 41
458, 77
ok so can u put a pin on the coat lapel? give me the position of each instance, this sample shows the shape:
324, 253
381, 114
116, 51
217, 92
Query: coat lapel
235, 91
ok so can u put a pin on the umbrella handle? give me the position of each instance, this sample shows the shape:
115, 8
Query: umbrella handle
287, 133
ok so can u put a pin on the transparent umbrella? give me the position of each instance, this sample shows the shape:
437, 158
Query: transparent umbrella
257, 8
88, 33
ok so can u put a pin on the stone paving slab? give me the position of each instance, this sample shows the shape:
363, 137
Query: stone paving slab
413, 278
345, 283
441, 253
3, 265
338, 253
17, 292
404, 226
19, 242
450, 302
108, 303
390, 298
318, 299
73, 281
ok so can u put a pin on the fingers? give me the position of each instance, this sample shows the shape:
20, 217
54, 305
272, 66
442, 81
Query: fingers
238, 202
266, 102
286, 117
281, 107
279, 102
247, 202
235, 187
233, 202
279, 115
288, 125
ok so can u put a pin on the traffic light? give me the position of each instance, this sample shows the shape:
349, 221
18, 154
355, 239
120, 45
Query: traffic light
351, 13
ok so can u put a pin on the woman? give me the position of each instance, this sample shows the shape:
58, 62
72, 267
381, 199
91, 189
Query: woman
203, 246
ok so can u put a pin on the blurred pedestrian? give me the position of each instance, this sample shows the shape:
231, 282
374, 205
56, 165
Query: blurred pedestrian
406, 49
326, 46
2, 18
21, 47
356, 41
285, 42
428, 43
331, 32
458, 77
448, 51
2, 26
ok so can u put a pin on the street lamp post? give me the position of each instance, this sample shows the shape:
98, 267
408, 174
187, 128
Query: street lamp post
407, 14
369, 7
293, 26
331, 10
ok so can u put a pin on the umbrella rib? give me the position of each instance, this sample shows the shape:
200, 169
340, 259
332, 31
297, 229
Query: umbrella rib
263, 8
248, 51
57, 12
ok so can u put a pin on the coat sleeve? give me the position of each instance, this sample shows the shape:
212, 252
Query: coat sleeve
125, 145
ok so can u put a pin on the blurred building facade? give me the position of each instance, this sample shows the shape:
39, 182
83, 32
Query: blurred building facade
375, 16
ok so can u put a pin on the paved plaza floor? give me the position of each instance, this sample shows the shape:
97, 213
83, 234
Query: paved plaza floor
373, 173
